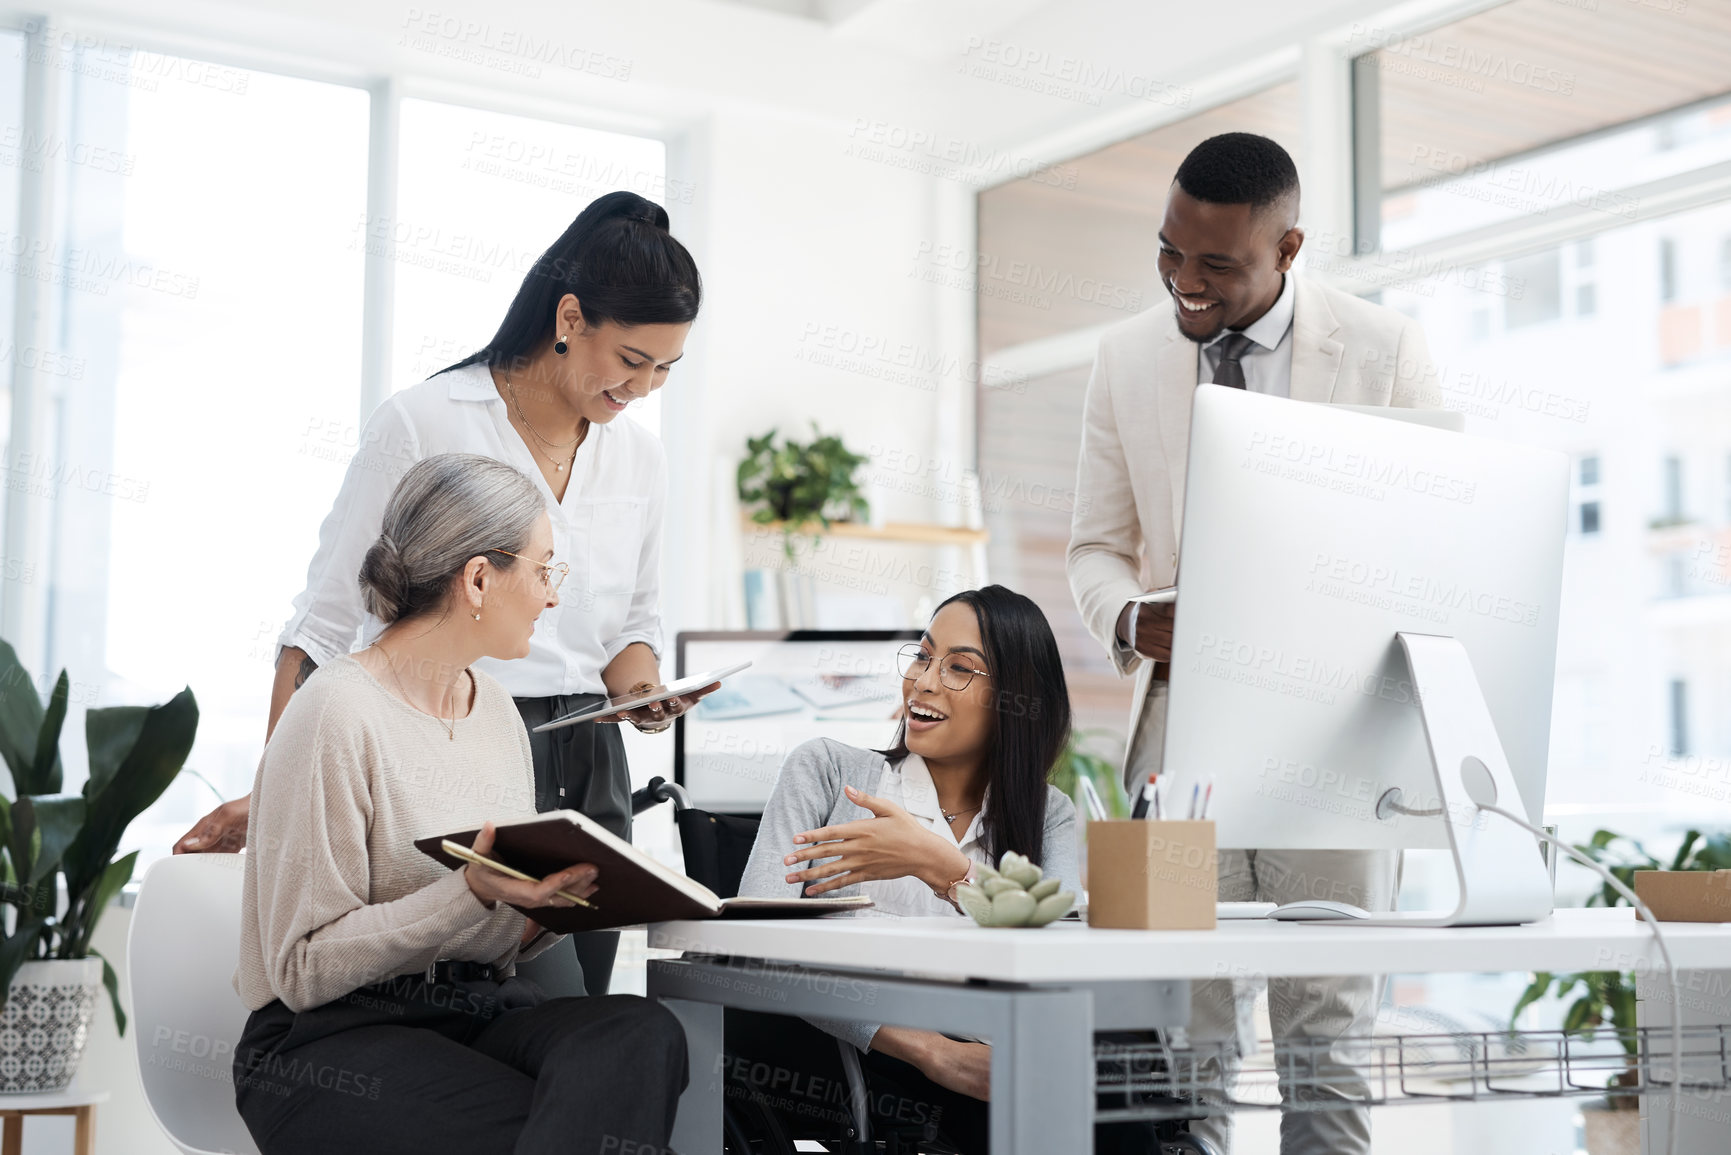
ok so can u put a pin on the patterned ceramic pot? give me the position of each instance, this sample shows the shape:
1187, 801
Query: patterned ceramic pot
45, 1024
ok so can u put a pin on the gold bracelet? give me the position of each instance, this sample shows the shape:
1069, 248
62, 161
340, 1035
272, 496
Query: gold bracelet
948, 893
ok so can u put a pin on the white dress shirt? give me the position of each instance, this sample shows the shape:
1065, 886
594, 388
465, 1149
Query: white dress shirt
909, 785
1267, 363
607, 529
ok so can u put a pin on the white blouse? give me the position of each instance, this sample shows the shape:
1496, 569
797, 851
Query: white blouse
608, 529
909, 785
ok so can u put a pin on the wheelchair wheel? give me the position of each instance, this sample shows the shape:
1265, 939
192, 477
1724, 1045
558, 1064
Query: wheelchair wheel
1188, 1145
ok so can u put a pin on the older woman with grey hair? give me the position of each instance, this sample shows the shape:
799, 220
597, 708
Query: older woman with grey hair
386, 1014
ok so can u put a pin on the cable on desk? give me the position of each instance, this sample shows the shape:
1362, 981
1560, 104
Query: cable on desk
1664, 952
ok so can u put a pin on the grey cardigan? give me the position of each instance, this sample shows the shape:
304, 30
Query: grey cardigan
809, 793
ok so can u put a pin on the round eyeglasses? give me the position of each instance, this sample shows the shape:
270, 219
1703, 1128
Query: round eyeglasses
956, 672
552, 576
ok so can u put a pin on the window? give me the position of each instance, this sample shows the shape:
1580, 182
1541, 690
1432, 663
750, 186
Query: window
1471, 118
1679, 718
481, 195
1586, 292
1534, 290
1587, 495
1667, 270
17, 154
1673, 491
1725, 264
216, 267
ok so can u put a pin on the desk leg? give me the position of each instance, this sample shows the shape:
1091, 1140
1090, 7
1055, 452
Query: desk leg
1043, 1075
84, 1134
697, 1128
13, 1144
1705, 1115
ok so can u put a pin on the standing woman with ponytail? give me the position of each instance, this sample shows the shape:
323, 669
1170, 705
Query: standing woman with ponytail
597, 324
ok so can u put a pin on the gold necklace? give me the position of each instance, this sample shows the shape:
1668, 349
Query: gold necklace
574, 444
391, 664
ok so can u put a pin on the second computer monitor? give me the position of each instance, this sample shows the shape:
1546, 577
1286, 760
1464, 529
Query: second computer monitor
1310, 537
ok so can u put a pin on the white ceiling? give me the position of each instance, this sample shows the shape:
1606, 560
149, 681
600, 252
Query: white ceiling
899, 61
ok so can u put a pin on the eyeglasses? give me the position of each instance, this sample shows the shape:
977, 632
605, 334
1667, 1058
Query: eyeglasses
955, 673
553, 575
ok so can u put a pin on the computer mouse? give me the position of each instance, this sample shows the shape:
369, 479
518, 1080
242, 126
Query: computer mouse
1316, 910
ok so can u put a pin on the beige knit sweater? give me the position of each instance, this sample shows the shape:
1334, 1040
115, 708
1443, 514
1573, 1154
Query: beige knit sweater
336, 895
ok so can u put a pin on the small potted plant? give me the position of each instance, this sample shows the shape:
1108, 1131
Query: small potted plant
49, 973
1606, 999
802, 488
796, 484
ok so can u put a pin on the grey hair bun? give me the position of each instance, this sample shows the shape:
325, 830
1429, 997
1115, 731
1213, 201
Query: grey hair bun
384, 580
446, 510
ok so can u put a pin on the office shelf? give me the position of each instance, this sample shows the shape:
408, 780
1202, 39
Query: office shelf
917, 533
1157, 1079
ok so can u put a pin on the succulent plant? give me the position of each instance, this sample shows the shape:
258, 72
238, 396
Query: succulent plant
1014, 894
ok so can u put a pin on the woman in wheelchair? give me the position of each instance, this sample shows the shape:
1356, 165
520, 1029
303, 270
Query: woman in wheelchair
385, 1013
985, 715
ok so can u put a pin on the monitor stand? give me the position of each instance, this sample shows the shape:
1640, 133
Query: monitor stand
1502, 874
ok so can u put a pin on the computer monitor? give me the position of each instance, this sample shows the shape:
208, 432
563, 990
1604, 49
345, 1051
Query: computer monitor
1311, 537
802, 684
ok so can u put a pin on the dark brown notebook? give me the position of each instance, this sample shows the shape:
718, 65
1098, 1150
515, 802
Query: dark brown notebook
633, 888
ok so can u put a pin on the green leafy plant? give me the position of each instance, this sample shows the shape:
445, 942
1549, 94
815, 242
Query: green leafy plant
797, 484
47, 835
1077, 761
1606, 999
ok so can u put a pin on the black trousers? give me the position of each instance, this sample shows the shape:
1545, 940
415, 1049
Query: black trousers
791, 1068
480, 1068
579, 768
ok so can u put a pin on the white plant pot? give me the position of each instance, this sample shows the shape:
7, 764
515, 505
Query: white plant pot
46, 1022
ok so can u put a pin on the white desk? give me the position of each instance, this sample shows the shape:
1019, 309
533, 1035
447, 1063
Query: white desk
1039, 995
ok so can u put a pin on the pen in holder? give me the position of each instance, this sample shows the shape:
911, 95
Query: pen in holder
1148, 875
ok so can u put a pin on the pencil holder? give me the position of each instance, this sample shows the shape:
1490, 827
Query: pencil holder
1145, 875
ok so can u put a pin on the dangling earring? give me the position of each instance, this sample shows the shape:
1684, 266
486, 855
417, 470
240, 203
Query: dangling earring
560, 346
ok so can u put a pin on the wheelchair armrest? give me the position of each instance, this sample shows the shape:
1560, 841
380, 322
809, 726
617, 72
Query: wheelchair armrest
658, 791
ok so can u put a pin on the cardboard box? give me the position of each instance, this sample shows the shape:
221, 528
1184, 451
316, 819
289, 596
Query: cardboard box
1146, 875
1685, 895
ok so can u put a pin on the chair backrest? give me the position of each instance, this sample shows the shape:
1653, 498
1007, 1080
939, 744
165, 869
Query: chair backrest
716, 847
186, 1017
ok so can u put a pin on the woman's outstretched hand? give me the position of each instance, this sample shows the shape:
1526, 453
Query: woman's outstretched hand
492, 887
891, 844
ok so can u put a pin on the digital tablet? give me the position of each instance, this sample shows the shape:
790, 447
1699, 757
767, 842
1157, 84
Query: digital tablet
646, 698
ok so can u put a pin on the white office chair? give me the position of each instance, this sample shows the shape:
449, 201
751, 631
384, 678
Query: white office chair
186, 1017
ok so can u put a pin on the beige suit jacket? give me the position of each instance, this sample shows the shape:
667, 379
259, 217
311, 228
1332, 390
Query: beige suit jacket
1135, 441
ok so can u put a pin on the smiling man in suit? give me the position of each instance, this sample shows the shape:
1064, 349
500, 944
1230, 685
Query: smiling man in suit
1239, 317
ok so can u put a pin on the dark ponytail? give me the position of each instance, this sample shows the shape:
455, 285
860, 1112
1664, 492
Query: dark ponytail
618, 260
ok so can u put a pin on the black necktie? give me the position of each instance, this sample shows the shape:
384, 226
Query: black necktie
1229, 372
